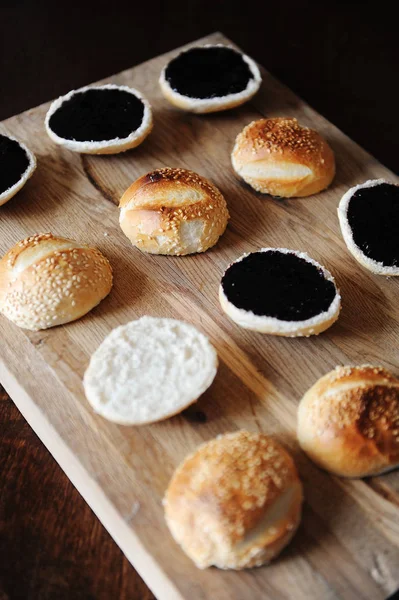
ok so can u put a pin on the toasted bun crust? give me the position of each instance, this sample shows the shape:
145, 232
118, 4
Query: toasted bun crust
208, 105
369, 263
274, 326
173, 211
282, 158
107, 146
348, 422
8, 194
235, 502
47, 281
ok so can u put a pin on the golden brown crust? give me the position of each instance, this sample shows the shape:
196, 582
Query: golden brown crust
348, 422
47, 281
158, 210
282, 158
235, 502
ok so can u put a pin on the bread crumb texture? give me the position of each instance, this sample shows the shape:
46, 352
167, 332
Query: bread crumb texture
148, 370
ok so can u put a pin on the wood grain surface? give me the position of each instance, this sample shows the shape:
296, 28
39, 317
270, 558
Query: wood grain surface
347, 545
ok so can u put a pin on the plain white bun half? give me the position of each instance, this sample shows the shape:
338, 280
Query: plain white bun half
148, 370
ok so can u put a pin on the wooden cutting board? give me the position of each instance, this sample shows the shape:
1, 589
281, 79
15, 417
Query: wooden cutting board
348, 544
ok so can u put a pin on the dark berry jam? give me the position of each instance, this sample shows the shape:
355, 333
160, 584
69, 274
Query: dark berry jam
13, 163
373, 215
98, 115
279, 285
208, 72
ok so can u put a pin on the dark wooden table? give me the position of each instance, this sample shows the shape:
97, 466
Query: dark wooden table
341, 59
51, 544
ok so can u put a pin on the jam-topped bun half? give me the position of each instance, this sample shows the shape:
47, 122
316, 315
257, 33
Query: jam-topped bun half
17, 164
210, 78
280, 292
106, 119
348, 421
173, 211
369, 218
282, 158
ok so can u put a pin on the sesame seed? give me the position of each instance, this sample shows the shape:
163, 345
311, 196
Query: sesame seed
279, 135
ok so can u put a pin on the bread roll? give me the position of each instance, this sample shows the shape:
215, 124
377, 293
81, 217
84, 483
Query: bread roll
47, 281
105, 119
281, 158
235, 502
348, 422
369, 218
148, 370
210, 78
173, 211
17, 164
280, 292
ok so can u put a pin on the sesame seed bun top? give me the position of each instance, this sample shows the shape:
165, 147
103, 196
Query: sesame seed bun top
173, 211
348, 422
282, 158
47, 280
235, 502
